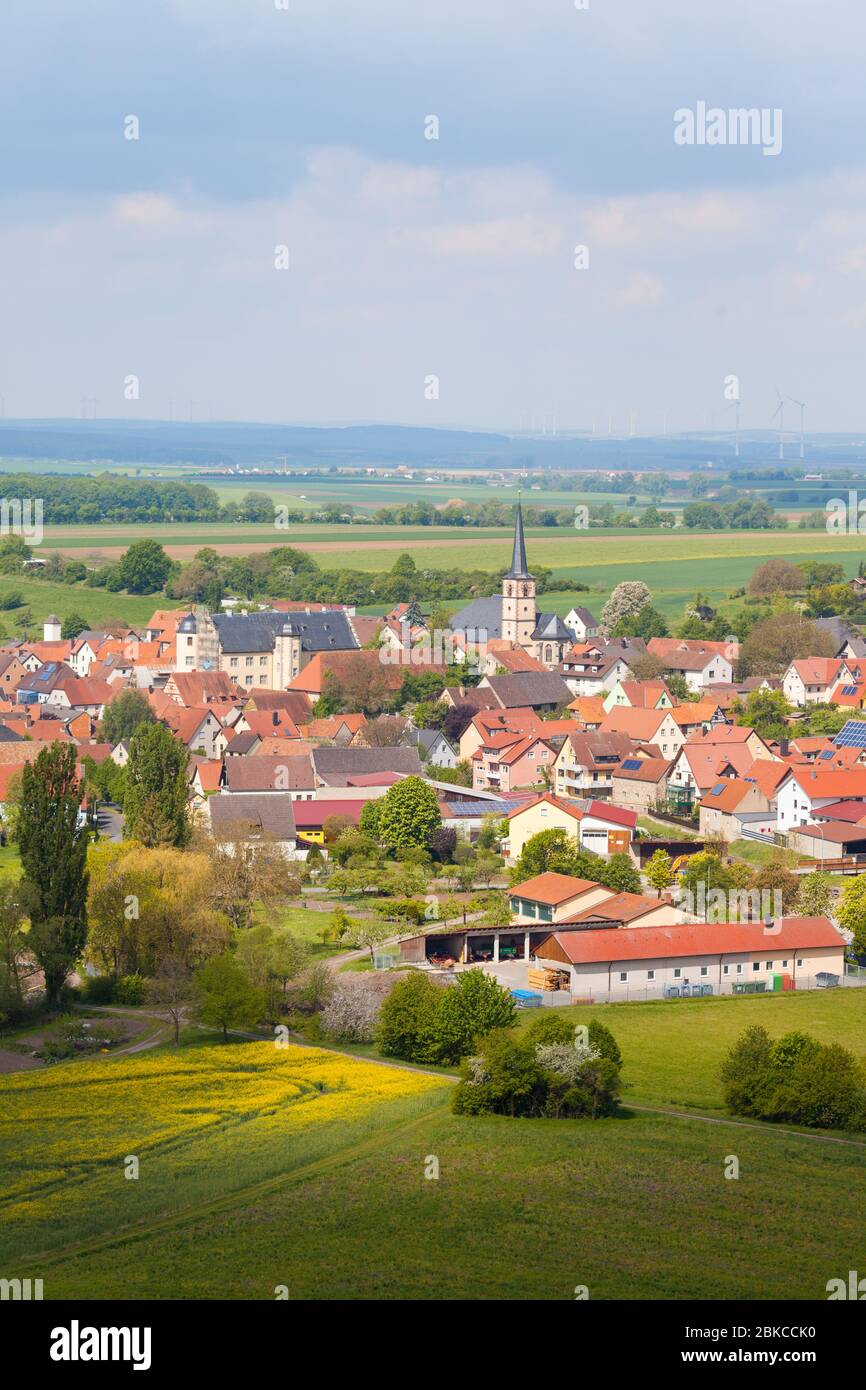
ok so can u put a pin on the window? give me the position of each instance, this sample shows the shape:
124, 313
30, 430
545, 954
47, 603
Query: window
650, 974
189, 641
248, 661
623, 975
768, 964
726, 969
677, 974
704, 970
784, 965
756, 965
263, 661
248, 680
739, 970
263, 680
799, 962
233, 661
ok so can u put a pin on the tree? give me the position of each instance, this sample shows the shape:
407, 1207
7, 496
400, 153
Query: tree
145, 567
659, 872
72, 627
367, 934
443, 843
815, 895
646, 623
54, 862
172, 989
776, 577
406, 1019
270, 957
409, 814
146, 906
156, 792
621, 874
225, 996
369, 822
468, 1010
851, 912
765, 711
123, 714
16, 960
555, 851
776, 641
627, 599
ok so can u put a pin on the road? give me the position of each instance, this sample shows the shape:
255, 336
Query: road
109, 820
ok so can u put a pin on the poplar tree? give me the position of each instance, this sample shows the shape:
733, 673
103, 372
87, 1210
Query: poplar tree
54, 859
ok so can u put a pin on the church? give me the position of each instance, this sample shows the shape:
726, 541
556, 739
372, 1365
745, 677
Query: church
513, 618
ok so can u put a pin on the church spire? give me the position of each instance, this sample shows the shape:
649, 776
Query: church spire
519, 568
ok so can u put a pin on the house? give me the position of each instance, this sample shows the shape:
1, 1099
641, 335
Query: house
338, 767
698, 767
12, 672
727, 736
655, 726
640, 783
358, 669
435, 748
198, 729
586, 763
588, 711
541, 691
310, 816
806, 789
581, 624
270, 775
502, 658
200, 687
724, 804
809, 681
593, 668
699, 663
253, 820
267, 648
648, 960
497, 721
508, 762
549, 897
696, 717
596, 826
293, 704
639, 695
626, 910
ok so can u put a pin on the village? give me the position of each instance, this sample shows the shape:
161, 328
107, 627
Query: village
554, 748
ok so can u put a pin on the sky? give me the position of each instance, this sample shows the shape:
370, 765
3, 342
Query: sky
283, 242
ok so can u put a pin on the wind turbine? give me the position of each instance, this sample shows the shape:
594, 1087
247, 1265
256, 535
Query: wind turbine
802, 405
780, 412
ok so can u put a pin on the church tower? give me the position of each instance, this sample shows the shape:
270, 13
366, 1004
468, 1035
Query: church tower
518, 593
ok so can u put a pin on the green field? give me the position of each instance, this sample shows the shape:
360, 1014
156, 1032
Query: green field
250, 1179
672, 1049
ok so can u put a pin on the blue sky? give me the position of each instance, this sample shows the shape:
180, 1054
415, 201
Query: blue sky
410, 257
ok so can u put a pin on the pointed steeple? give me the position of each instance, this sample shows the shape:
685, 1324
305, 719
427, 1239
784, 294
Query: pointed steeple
519, 569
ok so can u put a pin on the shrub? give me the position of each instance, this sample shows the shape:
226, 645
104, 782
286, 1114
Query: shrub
407, 1019
351, 1013
796, 1080
546, 1071
99, 989
131, 989
470, 1009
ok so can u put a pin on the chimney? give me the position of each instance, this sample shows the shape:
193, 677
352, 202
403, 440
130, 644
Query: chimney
784, 745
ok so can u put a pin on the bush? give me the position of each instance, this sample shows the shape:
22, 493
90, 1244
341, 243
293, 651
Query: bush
796, 1080
351, 1013
545, 1072
406, 1026
99, 989
131, 989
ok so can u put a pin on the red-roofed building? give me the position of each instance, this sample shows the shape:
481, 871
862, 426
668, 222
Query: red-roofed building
596, 825
645, 962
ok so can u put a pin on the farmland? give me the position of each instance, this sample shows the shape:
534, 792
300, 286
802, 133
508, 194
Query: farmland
253, 1178
200, 1120
673, 564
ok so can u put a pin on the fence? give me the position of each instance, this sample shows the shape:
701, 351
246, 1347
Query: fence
647, 993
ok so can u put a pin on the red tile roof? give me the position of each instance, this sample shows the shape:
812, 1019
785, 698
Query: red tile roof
697, 939
552, 888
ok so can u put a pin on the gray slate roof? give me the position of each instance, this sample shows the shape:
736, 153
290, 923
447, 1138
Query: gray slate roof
529, 688
334, 765
268, 814
257, 632
481, 615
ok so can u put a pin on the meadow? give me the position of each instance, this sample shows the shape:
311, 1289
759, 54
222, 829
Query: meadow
252, 1177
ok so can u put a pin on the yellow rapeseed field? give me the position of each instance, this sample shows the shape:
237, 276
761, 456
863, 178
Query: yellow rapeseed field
199, 1121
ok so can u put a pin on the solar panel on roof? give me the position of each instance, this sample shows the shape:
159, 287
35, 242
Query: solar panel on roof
631, 764
718, 789
852, 734
849, 690
826, 753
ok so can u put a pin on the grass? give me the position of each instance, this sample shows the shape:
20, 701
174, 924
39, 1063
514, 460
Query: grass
634, 1208
661, 830
756, 853
237, 1196
10, 862
305, 923
673, 1049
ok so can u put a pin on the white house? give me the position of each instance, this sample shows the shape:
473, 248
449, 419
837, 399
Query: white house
805, 790
810, 681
